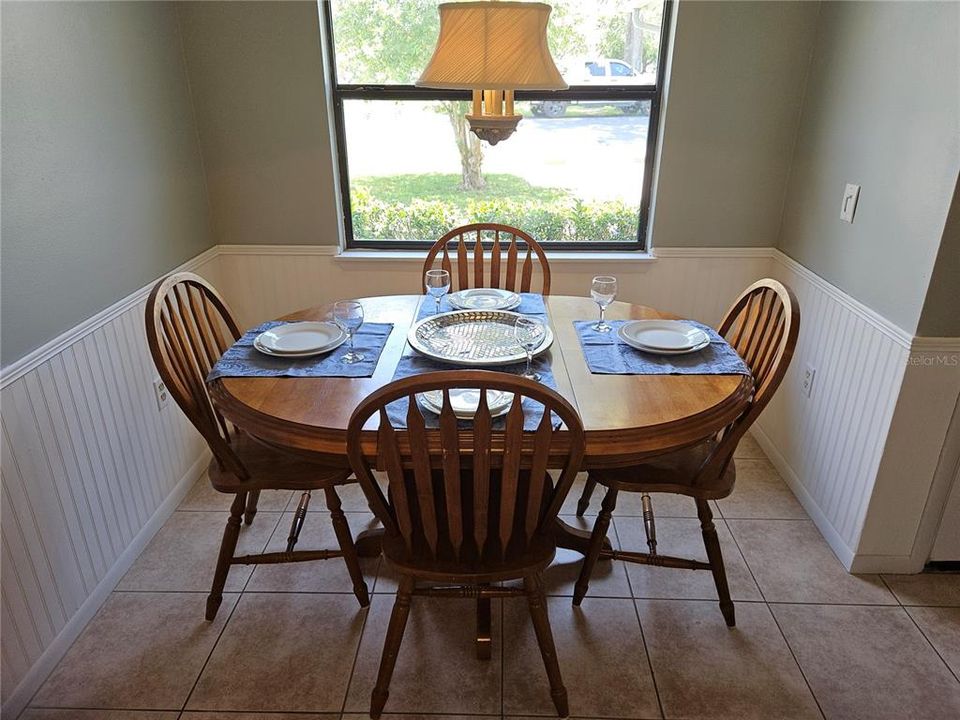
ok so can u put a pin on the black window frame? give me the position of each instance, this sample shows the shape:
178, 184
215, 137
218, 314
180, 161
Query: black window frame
614, 93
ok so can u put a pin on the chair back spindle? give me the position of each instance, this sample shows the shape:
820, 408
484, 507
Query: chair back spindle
189, 326
502, 239
467, 495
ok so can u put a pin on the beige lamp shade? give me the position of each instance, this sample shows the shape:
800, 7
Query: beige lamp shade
493, 45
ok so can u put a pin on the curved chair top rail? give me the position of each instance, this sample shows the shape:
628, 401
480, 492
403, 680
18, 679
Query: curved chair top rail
496, 273
459, 498
189, 326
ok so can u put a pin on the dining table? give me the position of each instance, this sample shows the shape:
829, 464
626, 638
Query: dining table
626, 418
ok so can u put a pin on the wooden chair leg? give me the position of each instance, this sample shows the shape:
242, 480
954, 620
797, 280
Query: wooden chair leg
584, 502
712, 544
342, 528
252, 498
228, 546
484, 636
391, 646
600, 528
537, 600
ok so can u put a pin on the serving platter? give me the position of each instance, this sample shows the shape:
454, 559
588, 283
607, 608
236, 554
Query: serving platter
475, 338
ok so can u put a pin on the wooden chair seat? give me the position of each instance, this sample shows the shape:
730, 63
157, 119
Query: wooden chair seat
271, 469
674, 472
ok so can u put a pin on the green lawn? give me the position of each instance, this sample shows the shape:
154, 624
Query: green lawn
401, 189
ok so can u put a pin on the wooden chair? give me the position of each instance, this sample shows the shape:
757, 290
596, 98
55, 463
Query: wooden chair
762, 325
471, 507
463, 239
189, 326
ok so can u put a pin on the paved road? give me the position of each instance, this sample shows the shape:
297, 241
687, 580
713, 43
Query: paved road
594, 157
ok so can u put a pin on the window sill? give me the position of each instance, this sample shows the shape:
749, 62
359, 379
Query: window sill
556, 258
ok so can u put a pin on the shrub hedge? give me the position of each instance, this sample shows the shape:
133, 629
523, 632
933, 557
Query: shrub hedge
556, 220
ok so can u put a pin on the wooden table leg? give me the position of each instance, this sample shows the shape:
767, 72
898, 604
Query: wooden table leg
571, 538
368, 542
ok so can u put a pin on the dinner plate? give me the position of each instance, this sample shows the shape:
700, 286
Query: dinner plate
465, 401
301, 337
484, 299
296, 355
658, 351
669, 335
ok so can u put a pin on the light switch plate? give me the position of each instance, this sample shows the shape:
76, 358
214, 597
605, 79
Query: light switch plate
849, 205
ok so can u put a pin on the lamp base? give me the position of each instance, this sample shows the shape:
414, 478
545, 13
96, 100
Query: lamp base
493, 128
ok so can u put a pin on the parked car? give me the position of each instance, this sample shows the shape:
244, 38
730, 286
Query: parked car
602, 71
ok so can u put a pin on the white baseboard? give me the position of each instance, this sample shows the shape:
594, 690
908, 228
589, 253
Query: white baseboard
39, 671
844, 554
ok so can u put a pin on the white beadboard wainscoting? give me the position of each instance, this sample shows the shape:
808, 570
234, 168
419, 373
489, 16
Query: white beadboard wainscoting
91, 468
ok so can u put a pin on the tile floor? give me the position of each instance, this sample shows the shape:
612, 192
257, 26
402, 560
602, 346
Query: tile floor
811, 641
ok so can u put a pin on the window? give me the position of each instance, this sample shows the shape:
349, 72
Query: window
577, 172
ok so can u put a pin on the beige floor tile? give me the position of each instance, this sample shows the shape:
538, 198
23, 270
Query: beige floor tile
748, 448
869, 662
760, 493
351, 497
73, 714
706, 670
792, 562
681, 537
141, 650
601, 655
183, 555
609, 578
282, 652
315, 576
437, 669
934, 589
202, 496
942, 628
258, 716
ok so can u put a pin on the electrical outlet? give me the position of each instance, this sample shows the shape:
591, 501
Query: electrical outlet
809, 373
163, 395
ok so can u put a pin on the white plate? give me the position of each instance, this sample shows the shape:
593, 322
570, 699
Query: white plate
658, 351
301, 337
670, 335
484, 299
293, 356
465, 402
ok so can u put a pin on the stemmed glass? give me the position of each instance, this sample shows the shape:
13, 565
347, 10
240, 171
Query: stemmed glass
529, 332
348, 315
603, 290
437, 283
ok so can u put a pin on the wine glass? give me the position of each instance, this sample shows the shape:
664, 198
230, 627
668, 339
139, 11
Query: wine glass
348, 315
437, 283
529, 332
603, 290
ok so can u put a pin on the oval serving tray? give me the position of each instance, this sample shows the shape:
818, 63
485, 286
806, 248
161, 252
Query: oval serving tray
472, 337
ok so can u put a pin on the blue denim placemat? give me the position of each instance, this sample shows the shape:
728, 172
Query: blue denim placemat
419, 364
607, 354
243, 360
530, 304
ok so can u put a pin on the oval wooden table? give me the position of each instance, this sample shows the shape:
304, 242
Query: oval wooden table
625, 417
